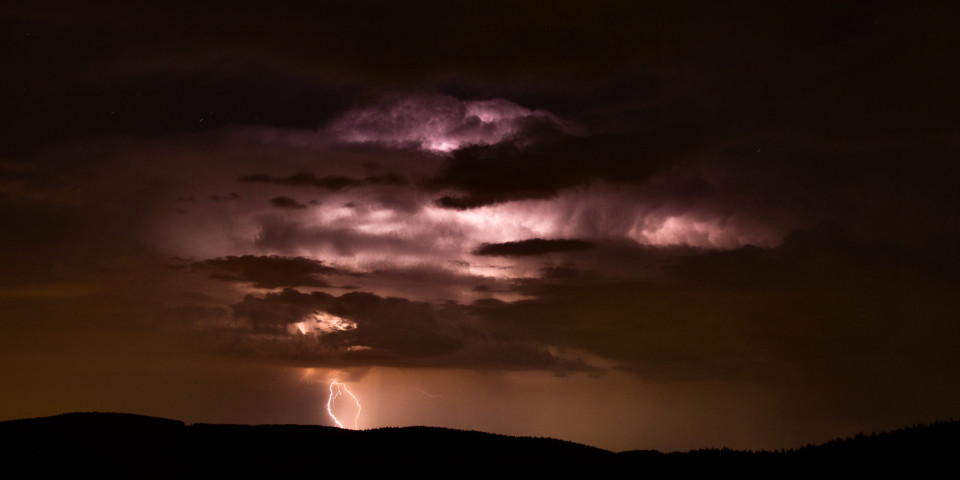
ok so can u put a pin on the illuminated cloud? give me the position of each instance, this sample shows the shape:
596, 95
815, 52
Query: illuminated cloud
713, 232
321, 323
363, 329
440, 122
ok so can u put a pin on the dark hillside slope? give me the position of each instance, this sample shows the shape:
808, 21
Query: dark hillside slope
136, 446
922, 449
109, 445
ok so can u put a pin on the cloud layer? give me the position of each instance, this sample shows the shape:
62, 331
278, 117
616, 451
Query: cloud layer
440, 122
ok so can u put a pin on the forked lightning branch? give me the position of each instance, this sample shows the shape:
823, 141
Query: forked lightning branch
337, 390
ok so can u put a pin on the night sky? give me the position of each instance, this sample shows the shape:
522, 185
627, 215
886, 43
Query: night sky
665, 225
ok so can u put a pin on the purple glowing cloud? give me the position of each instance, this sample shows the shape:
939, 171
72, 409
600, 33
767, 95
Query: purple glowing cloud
440, 122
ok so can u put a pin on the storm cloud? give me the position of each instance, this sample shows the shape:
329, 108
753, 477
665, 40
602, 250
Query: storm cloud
535, 246
266, 271
374, 330
327, 182
440, 122
651, 197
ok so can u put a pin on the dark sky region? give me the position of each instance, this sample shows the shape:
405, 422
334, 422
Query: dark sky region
665, 225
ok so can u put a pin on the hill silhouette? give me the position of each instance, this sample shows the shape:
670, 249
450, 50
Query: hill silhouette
113, 445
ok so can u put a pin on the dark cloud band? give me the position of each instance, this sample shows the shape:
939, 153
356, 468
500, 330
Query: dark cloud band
535, 246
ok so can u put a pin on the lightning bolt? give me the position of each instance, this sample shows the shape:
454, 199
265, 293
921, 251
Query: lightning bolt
336, 390
305, 374
431, 395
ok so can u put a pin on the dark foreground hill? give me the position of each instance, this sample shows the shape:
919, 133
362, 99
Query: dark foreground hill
110, 445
